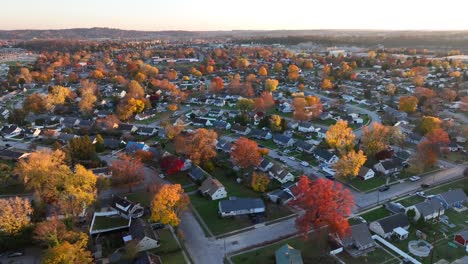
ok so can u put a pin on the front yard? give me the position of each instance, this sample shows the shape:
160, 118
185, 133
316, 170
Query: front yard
365, 186
169, 251
379, 255
375, 214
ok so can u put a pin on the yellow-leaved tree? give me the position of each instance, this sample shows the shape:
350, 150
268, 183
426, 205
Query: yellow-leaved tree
168, 204
14, 215
340, 136
350, 164
259, 181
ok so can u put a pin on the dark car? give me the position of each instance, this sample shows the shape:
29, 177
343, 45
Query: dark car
157, 226
384, 188
330, 177
425, 185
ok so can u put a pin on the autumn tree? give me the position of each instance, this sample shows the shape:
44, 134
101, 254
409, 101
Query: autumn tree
171, 164
67, 253
324, 203
168, 204
377, 138
58, 95
260, 181
245, 153
326, 84
35, 103
217, 84
432, 147
245, 104
429, 123
262, 71
390, 89
127, 171
53, 232
88, 96
340, 136
264, 102
314, 106
350, 164
199, 145
278, 67
81, 149
300, 112
172, 130
15, 214
449, 94
408, 104
293, 72
271, 84
419, 80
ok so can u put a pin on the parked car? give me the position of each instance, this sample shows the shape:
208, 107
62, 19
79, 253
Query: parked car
425, 185
421, 194
384, 188
157, 226
15, 254
292, 158
305, 163
330, 177
414, 178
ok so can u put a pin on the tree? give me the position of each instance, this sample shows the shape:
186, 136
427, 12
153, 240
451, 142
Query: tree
99, 146
17, 117
44, 171
88, 96
300, 112
278, 67
270, 85
293, 72
171, 164
326, 84
67, 253
245, 104
350, 164
144, 156
275, 123
81, 149
173, 130
54, 232
262, 71
264, 102
429, 123
324, 202
419, 80
127, 171
15, 214
391, 89
217, 84
449, 94
340, 136
314, 106
408, 104
199, 145
58, 95
35, 103
79, 191
168, 204
376, 139
430, 149
259, 182
245, 153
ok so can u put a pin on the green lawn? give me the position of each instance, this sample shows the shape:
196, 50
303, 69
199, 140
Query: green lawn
375, 214
169, 251
143, 197
377, 256
312, 252
411, 200
181, 178
267, 143
368, 185
455, 156
104, 222
463, 183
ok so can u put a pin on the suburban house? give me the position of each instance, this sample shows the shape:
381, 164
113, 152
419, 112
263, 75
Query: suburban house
358, 241
224, 146
10, 131
260, 134
283, 140
280, 196
305, 127
143, 234
288, 255
461, 238
325, 156
280, 173
366, 173
265, 165
241, 130
197, 173
429, 209
304, 146
7, 154
102, 172
127, 208
452, 198
213, 188
133, 146
32, 132
220, 124
147, 131
389, 166
127, 128
396, 224
241, 206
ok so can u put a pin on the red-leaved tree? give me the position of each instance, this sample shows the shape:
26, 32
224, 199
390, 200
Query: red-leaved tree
324, 203
171, 164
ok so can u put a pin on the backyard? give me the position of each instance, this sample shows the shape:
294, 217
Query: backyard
169, 251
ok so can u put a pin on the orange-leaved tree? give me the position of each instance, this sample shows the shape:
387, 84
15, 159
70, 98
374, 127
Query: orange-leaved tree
245, 153
199, 145
127, 171
324, 203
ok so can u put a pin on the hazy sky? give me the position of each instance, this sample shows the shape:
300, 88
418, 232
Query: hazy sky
234, 14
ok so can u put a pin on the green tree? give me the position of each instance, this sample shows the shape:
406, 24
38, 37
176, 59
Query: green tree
99, 146
81, 149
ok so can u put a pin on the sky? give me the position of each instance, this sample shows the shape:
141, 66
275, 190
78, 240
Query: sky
235, 14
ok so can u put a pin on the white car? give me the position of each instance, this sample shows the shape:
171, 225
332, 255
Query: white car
421, 194
305, 163
414, 178
292, 158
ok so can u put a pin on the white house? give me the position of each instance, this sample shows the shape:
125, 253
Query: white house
366, 173
391, 225
143, 234
281, 174
430, 209
306, 127
389, 166
241, 206
213, 188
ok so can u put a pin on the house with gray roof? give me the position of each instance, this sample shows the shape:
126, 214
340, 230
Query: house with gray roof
283, 140
143, 234
390, 225
429, 209
358, 241
241, 206
213, 188
452, 198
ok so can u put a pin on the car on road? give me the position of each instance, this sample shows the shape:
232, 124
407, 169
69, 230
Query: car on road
15, 254
384, 188
292, 158
330, 177
156, 226
425, 185
421, 194
414, 178
305, 163
328, 171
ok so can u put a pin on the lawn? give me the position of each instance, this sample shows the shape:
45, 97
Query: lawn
311, 250
455, 156
411, 200
463, 183
169, 251
104, 222
379, 255
267, 143
375, 214
368, 185
143, 197
181, 178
